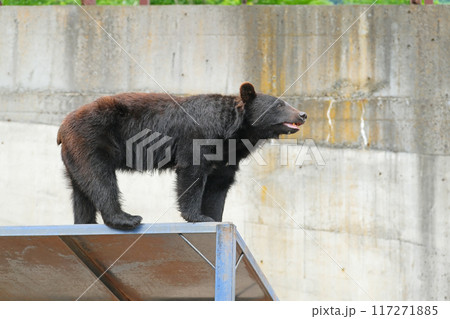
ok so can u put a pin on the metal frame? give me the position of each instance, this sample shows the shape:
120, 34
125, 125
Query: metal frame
265, 283
225, 262
197, 251
99, 229
228, 240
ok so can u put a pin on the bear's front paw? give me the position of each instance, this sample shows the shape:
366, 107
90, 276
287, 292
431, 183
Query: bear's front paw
198, 218
203, 219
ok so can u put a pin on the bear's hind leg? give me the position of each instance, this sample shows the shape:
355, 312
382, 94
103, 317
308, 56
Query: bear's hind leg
95, 183
106, 192
83, 209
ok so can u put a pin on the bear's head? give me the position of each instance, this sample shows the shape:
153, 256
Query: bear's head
268, 115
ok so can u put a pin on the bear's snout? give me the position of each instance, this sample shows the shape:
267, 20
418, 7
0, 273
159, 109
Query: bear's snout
303, 116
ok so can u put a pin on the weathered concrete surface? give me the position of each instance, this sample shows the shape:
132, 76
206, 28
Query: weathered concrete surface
383, 85
378, 107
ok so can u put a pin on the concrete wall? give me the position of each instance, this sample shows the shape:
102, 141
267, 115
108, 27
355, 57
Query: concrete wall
378, 106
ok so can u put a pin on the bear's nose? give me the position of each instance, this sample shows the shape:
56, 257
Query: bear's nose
302, 115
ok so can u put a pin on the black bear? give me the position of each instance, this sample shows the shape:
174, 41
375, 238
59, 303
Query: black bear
94, 145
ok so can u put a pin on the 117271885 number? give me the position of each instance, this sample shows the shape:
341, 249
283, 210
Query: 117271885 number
381, 310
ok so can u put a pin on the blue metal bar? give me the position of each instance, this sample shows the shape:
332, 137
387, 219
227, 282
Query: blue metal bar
239, 260
225, 262
197, 251
255, 266
100, 229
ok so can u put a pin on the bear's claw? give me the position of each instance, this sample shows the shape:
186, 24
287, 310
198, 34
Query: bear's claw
200, 219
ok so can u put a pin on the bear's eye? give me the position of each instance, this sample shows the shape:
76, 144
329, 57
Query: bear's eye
280, 105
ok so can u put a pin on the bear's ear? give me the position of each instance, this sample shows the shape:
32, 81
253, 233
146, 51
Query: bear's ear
247, 92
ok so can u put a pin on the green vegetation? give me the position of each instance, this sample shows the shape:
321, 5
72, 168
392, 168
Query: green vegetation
378, 2
167, 2
213, 2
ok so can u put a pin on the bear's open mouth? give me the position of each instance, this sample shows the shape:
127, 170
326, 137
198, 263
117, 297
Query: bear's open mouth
293, 125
